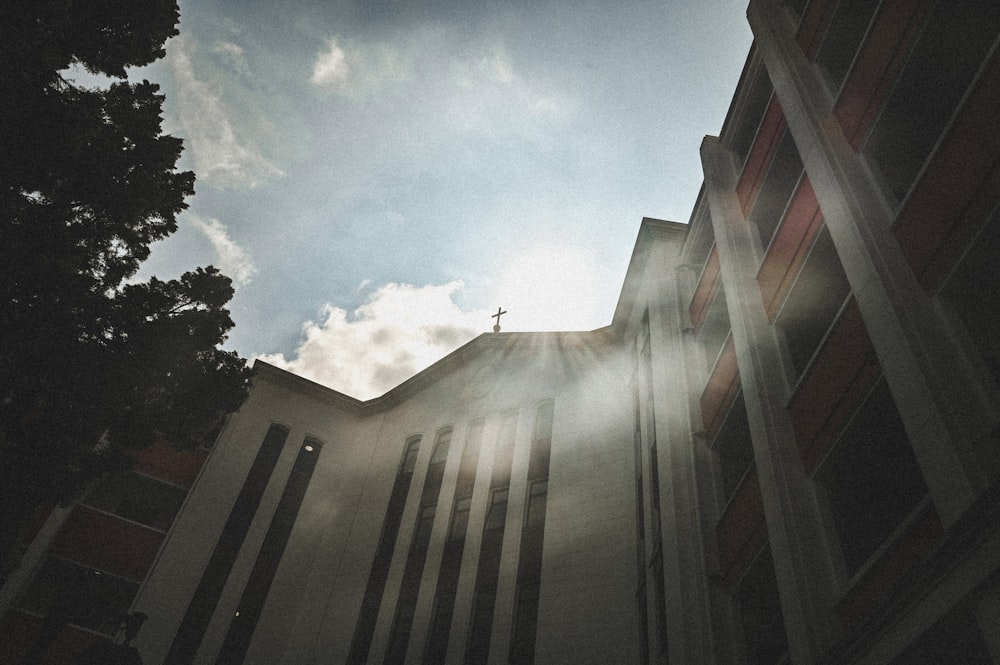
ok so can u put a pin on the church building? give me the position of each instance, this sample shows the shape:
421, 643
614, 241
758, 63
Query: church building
784, 448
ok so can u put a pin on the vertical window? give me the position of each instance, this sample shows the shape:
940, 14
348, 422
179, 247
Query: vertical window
529, 563
422, 535
251, 604
365, 627
417, 556
399, 636
537, 495
522, 644
437, 640
478, 645
436, 646
497, 515
480, 626
410, 455
440, 454
203, 603
474, 440
460, 520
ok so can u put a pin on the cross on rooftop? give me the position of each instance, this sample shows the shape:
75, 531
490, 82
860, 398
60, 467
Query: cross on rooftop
496, 316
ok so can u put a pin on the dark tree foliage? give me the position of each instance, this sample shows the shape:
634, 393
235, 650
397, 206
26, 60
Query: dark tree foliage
91, 365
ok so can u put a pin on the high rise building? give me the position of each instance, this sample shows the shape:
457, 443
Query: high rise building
785, 448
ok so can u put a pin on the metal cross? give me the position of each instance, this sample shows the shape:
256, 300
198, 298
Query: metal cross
496, 316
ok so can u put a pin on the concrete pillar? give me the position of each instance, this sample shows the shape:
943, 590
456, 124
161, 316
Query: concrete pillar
923, 365
686, 568
705, 494
807, 579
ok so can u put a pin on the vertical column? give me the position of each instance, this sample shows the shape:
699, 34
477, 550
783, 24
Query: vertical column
717, 603
923, 366
688, 617
807, 579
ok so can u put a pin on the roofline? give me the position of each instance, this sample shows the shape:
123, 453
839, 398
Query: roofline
650, 231
421, 379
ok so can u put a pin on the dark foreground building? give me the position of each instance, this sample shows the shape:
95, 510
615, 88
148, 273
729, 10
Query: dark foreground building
783, 449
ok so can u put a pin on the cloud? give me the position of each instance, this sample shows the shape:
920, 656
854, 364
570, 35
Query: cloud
358, 69
232, 55
220, 156
331, 66
401, 330
231, 259
437, 73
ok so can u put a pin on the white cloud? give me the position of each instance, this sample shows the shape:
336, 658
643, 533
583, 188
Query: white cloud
220, 156
358, 69
232, 259
401, 330
468, 84
232, 55
331, 66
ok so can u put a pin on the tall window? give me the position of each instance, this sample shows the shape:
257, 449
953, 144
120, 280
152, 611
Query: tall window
440, 454
529, 563
202, 605
417, 556
436, 646
364, 629
251, 604
478, 646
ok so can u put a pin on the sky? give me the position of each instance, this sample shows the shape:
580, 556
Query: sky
379, 177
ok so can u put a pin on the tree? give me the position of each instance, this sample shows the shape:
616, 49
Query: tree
90, 364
